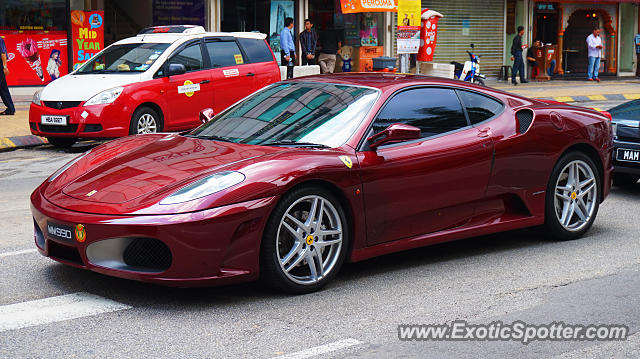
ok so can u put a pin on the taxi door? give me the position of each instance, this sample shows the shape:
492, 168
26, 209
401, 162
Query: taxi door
232, 76
189, 93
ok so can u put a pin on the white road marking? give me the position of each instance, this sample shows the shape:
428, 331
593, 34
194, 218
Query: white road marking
322, 349
55, 309
15, 253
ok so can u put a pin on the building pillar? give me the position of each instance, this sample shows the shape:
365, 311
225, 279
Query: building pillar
560, 67
611, 56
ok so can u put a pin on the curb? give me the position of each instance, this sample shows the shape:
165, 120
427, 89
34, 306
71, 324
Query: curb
607, 97
15, 142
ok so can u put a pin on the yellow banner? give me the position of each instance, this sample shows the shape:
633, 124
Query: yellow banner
409, 13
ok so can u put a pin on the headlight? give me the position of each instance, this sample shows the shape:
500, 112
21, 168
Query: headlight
204, 187
36, 97
106, 96
66, 167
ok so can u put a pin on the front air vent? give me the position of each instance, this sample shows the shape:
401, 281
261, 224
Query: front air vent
524, 119
147, 253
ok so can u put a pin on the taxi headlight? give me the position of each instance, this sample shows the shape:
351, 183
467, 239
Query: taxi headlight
36, 97
104, 97
204, 187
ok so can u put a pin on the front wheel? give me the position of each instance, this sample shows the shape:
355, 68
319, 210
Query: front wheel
479, 81
145, 120
62, 142
305, 241
573, 197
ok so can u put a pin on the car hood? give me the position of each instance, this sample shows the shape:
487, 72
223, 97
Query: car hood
83, 87
149, 166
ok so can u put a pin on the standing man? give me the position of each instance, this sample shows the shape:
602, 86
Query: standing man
308, 42
4, 89
516, 57
287, 48
531, 59
594, 45
330, 45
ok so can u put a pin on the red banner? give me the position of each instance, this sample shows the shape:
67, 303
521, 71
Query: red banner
35, 57
87, 35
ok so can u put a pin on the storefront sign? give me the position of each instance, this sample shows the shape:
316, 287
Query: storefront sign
351, 6
408, 26
87, 35
35, 57
366, 55
175, 12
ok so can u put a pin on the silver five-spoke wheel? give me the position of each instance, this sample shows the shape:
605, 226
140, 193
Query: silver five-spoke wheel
147, 124
576, 194
309, 239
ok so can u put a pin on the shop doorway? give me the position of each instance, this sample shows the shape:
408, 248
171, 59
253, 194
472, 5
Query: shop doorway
546, 28
580, 26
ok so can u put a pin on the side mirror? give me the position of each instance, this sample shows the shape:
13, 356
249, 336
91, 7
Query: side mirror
206, 115
394, 133
176, 69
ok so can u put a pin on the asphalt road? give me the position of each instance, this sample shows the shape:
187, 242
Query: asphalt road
510, 276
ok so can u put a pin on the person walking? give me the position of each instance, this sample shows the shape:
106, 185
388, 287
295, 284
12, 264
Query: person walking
516, 57
4, 88
287, 47
594, 45
308, 43
330, 45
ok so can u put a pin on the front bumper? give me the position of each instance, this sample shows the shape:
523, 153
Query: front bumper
96, 121
211, 247
628, 167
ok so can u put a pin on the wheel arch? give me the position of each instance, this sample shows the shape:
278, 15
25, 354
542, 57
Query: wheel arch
156, 108
593, 154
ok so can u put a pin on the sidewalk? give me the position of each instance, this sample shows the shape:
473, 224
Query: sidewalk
15, 133
575, 91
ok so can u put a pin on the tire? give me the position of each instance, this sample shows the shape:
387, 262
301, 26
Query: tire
145, 120
479, 82
62, 142
580, 202
293, 257
624, 179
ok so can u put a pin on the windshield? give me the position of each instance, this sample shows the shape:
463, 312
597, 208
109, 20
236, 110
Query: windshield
125, 58
290, 113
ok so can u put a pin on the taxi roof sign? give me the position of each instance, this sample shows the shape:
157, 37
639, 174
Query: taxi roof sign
173, 29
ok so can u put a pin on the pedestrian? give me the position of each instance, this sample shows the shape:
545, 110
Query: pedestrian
330, 44
516, 57
4, 88
308, 43
287, 47
531, 59
594, 44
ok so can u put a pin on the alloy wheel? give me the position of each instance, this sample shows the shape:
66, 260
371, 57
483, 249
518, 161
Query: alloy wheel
576, 193
147, 124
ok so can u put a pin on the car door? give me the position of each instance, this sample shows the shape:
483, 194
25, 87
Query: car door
427, 185
189, 93
233, 78
259, 54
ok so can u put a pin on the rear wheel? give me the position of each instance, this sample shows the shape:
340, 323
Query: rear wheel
479, 81
573, 197
62, 142
145, 120
624, 179
305, 241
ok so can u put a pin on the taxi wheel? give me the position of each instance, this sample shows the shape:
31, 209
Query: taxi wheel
61, 142
145, 120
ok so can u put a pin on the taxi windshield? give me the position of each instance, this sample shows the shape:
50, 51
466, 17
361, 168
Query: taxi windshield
125, 58
293, 114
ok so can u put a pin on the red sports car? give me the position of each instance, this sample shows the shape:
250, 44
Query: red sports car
297, 178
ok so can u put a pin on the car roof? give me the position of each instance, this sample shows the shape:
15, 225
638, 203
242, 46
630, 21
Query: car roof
380, 80
169, 38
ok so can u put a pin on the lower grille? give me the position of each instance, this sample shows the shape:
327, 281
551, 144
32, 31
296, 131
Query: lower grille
65, 253
59, 129
92, 128
629, 139
147, 253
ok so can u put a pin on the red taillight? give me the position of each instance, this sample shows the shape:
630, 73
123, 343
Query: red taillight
608, 115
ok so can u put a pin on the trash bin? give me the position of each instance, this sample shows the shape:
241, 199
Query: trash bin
384, 63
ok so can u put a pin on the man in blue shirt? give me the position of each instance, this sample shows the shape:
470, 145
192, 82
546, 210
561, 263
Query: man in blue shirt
287, 47
4, 89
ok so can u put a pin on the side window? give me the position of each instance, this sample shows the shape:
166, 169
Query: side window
479, 107
256, 49
224, 53
190, 57
433, 110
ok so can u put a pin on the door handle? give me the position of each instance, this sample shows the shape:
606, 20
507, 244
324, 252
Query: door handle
485, 132
250, 74
204, 82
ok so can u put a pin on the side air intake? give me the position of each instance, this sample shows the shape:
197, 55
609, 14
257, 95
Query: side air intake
524, 119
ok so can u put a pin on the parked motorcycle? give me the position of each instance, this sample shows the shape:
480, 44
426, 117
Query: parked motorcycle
470, 71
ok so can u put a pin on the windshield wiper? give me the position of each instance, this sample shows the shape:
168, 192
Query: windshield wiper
208, 137
295, 143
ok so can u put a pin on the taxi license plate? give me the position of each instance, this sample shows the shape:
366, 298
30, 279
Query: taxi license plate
54, 120
628, 155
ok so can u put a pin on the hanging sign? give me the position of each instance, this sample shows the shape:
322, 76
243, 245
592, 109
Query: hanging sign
408, 26
87, 35
353, 6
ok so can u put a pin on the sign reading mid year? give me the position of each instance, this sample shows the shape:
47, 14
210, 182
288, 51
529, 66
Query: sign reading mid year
87, 35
